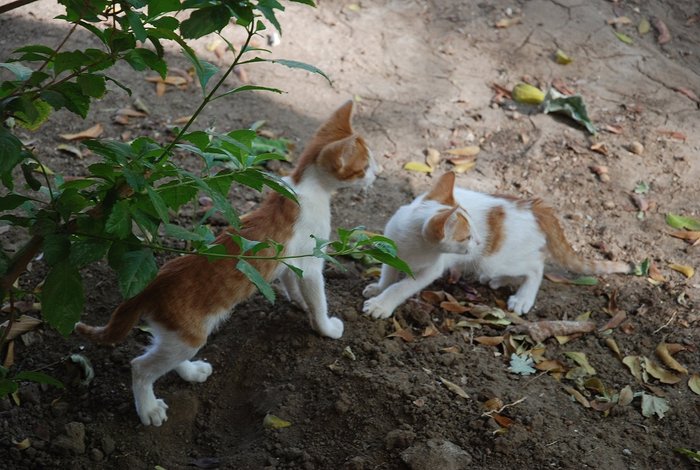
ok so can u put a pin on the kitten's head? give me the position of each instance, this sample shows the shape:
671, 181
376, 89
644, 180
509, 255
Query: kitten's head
449, 228
341, 156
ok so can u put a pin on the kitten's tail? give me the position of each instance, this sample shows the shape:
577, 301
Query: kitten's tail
560, 249
120, 323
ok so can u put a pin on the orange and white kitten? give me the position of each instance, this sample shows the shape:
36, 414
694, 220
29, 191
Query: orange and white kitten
501, 239
191, 295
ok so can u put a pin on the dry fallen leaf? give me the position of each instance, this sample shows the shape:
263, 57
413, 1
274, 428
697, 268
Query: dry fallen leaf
581, 359
691, 236
551, 365
634, 364
429, 331
694, 383
454, 388
494, 404
577, 395
72, 149
489, 340
468, 151
600, 148
464, 167
503, 421
273, 422
626, 396
541, 330
20, 326
433, 296
451, 350
612, 344
658, 372
615, 321
662, 351
507, 22
403, 333
673, 134
620, 20
432, 157
91, 133
685, 270
418, 166
664, 34
454, 307
613, 129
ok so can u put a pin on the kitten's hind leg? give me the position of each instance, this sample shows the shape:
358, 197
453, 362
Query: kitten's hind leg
194, 371
522, 301
167, 353
290, 285
388, 277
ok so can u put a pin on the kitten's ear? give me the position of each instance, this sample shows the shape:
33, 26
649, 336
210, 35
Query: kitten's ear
338, 125
443, 189
434, 228
346, 159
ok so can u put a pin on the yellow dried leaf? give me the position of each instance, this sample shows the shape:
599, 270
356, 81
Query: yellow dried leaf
432, 158
372, 271
91, 133
694, 383
581, 359
610, 342
577, 395
524, 93
273, 422
644, 26
454, 388
626, 396
634, 364
451, 349
685, 270
429, 331
551, 365
418, 166
468, 151
493, 404
507, 22
23, 444
454, 307
658, 372
691, 236
664, 354
621, 20
20, 326
433, 296
464, 167
161, 88
489, 340
561, 57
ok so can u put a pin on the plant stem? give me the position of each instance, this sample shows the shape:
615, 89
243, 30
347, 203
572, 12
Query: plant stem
10, 322
250, 33
16, 4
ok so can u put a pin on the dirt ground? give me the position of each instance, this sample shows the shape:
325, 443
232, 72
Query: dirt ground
421, 73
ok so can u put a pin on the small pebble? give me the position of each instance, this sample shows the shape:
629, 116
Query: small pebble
627, 452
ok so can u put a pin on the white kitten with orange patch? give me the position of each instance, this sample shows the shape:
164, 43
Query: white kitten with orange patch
190, 296
500, 238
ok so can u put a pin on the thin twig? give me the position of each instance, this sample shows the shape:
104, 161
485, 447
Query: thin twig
673, 317
16, 4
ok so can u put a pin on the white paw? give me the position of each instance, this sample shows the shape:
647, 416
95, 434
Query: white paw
333, 328
375, 309
520, 305
153, 413
372, 290
194, 371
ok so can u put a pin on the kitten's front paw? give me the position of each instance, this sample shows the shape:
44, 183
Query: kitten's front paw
333, 328
372, 290
520, 305
154, 413
194, 371
375, 309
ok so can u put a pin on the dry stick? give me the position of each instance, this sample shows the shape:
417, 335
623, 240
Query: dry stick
15, 4
667, 323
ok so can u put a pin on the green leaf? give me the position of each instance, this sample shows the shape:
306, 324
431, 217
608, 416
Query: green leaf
92, 85
693, 455
391, 260
38, 377
56, 248
72, 60
158, 204
299, 273
267, 8
205, 70
43, 110
642, 269
570, 105
22, 72
11, 201
62, 297
641, 188
653, 405
74, 99
624, 38
10, 151
256, 278
182, 233
305, 2
294, 64
139, 59
585, 281
204, 21
7, 387
119, 220
681, 222
87, 251
248, 88
135, 269
521, 365
156, 7
136, 25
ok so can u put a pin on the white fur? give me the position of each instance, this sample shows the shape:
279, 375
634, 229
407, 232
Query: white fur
520, 256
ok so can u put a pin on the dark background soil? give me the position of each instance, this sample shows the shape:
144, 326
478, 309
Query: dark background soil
421, 75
